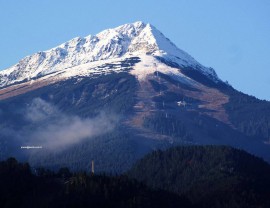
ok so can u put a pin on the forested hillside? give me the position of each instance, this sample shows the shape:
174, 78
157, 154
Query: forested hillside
19, 187
211, 176
186, 176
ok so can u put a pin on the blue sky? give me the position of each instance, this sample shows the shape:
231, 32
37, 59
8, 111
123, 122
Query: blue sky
232, 36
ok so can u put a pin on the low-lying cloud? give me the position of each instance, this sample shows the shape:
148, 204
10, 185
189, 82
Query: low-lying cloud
39, 110
57, 130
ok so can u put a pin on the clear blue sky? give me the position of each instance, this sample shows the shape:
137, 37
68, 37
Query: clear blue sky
232, 36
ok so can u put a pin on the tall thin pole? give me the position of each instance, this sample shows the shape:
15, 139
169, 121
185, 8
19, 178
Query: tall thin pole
93, 167
268, 131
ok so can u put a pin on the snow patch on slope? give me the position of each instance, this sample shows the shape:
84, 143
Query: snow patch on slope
149, 65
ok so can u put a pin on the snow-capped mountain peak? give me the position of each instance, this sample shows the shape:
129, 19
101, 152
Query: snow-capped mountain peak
124, 41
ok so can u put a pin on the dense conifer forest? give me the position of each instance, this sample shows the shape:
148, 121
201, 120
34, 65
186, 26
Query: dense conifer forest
210, 176
22, 187
185, 176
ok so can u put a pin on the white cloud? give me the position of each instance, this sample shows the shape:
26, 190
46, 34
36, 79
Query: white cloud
61, 130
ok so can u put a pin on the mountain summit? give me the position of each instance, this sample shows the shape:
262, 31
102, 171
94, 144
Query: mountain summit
129, 40
117, 95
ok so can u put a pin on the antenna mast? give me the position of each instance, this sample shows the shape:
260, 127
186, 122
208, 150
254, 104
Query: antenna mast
93, 167
268, 131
